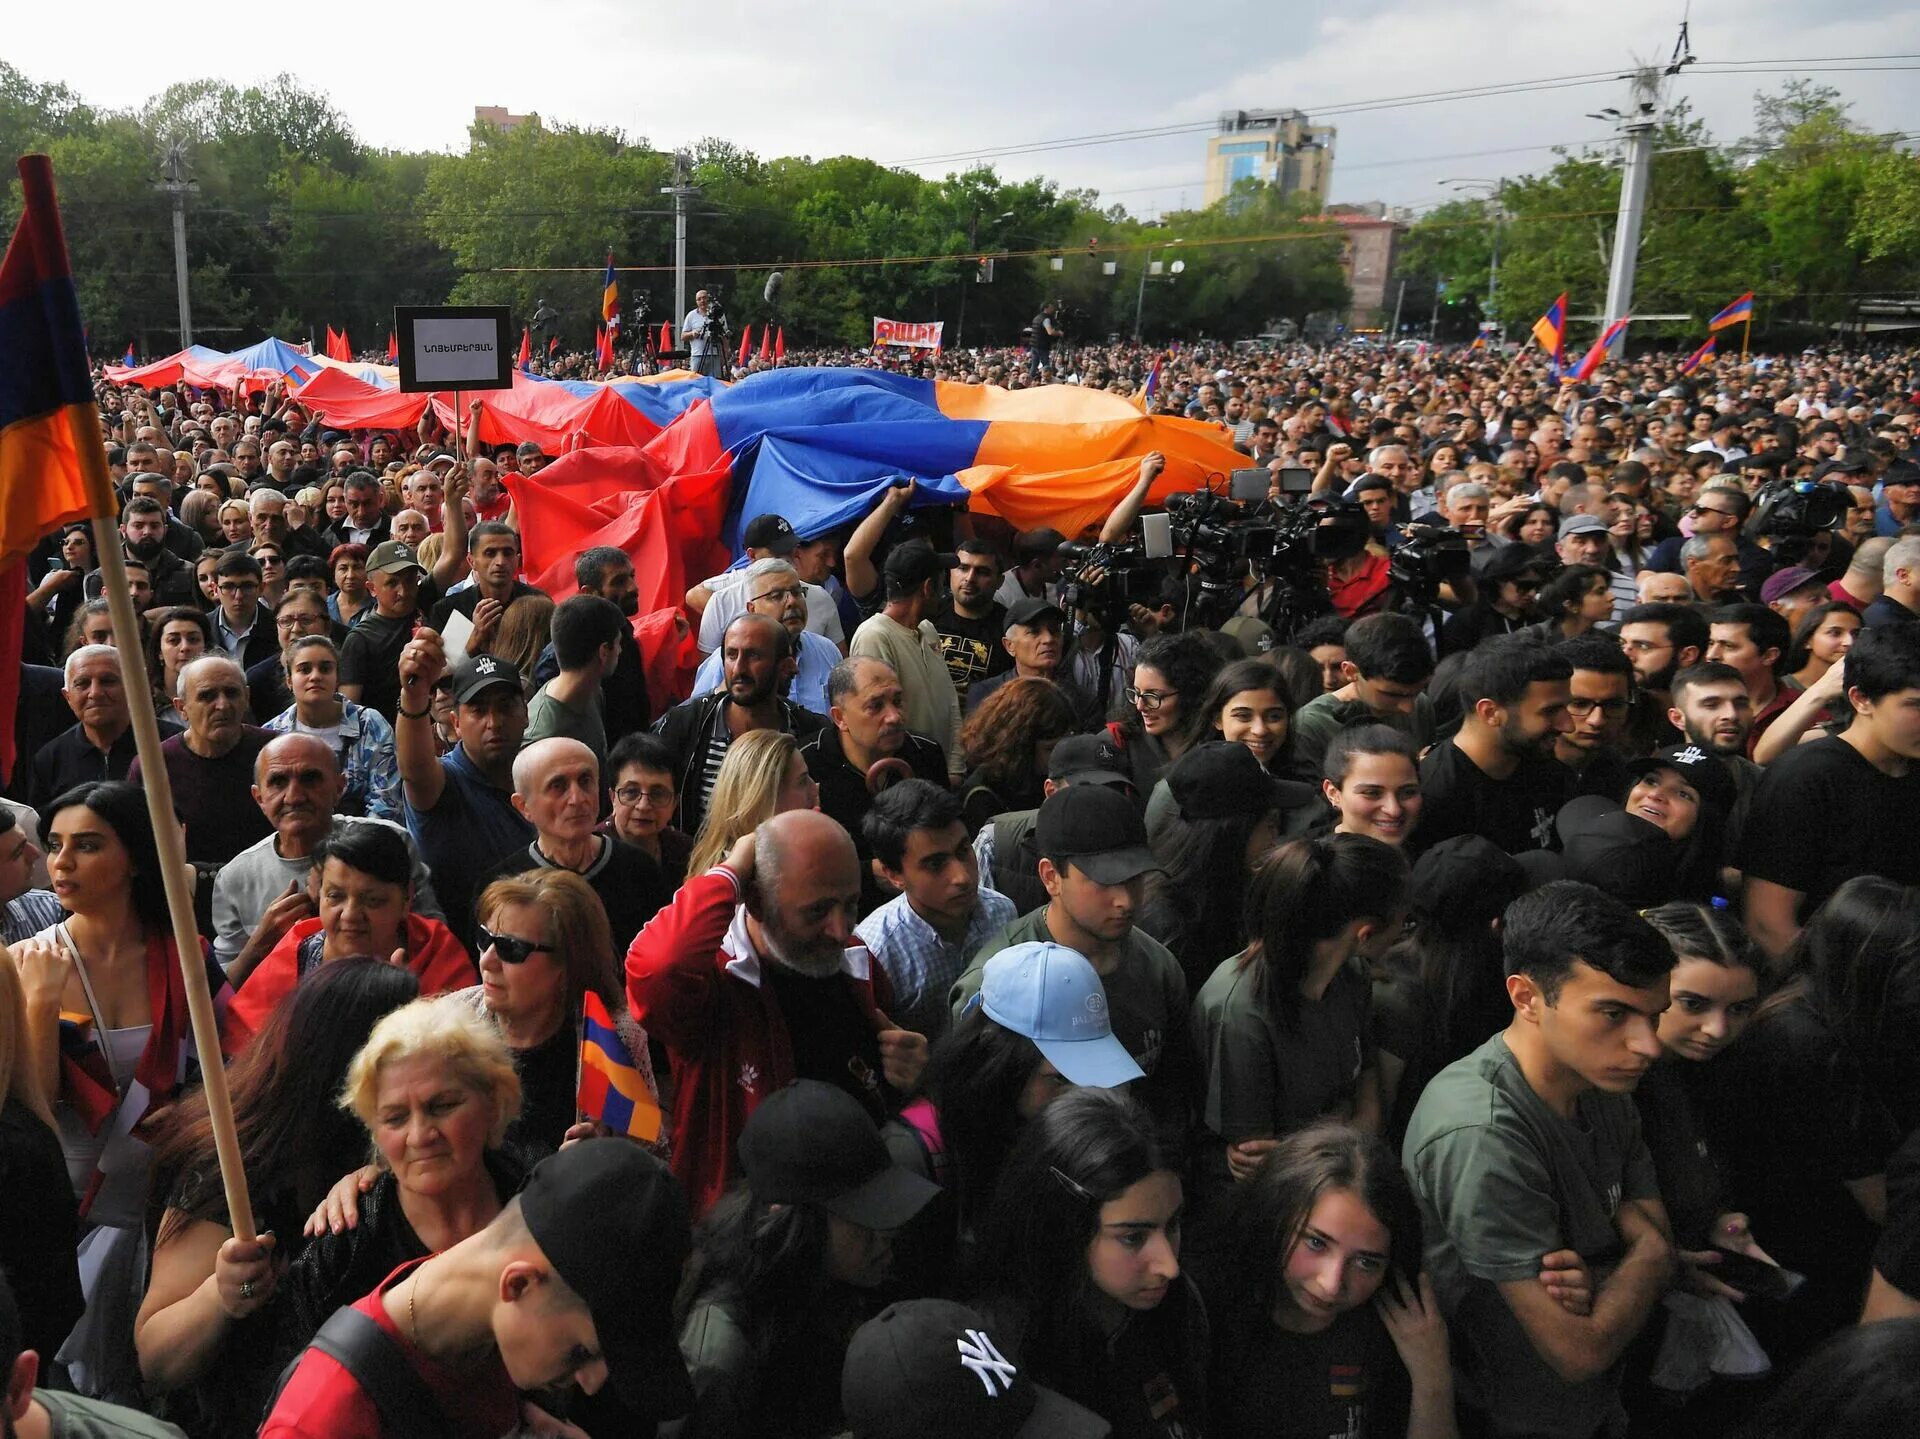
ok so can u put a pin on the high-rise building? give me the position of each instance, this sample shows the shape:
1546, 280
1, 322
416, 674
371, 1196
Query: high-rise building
1277, 147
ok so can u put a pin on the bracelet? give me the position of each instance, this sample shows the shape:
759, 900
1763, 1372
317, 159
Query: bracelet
406, 713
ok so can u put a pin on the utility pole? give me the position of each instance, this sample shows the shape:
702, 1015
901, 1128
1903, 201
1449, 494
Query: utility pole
681, 192
1398, 300
1637, 125
177, 181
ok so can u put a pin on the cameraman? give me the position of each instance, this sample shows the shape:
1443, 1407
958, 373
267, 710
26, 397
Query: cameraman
1045, 331
703, 348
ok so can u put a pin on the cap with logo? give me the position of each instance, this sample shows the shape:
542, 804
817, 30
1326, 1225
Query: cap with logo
1625, 854
931, 1369
1098, 830
771, 533
813, 1143
1088, 759
914, 562
390, 557
1052, 995
1702, 769
1254, 636
1222, 778
613, 1222
1030, 609
476, 674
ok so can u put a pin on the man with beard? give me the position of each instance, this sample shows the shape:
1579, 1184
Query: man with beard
625, 706
970, 620
143, 533
586, 644
1713, 710
1600, 700
756, 654
774, 588
748, 981
1496, 777
868, 708
1660, 641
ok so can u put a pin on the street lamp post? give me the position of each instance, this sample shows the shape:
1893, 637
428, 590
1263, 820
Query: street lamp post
1495, 189
1140, 300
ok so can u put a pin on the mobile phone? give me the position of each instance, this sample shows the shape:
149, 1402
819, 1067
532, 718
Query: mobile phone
1755, 1276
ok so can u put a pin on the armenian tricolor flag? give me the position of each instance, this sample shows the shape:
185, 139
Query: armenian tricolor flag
1601, 347
1738, 313
128, 358
525, 358
611, 1089
1551, 328
1700, 356
610, 298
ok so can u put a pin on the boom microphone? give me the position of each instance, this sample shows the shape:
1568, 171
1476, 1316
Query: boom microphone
772, 292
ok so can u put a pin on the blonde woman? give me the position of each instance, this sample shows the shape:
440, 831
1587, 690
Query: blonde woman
39, 1224
762, 775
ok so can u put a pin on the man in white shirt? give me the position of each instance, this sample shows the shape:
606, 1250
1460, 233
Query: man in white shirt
723, 599
703, 357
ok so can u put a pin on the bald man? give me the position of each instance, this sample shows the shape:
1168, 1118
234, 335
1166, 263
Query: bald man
262, 890
748, 980
211, 765
556, 789
1660, 588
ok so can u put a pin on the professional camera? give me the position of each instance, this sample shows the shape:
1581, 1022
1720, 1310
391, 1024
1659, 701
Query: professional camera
1798, 509
716, 311
1430, 556
1126, 577
1285, 545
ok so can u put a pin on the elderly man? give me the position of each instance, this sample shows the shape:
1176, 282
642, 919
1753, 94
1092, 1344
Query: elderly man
720, 601
1656, 587
748, 980
556, 789
868, 710
1712, 564
426, 490
267, 512
211, 764
99, 745
773, 587
262, 891
905, 639
1899, 601
363, 523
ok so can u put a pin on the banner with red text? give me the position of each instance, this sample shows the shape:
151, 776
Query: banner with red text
915, 335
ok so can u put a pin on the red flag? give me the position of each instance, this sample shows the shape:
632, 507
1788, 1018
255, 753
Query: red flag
553, 343
393, 347
341, 350
766, 345
666, 337
526, 348
780, 344
746, 334
1602, 347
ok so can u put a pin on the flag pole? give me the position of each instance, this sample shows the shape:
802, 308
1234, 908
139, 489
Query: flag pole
166, 827
1746, 333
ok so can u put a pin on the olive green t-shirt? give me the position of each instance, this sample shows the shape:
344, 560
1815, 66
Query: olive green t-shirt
1317, 721
1502, 1181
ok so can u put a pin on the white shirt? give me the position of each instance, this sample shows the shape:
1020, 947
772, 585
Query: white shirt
694, 330
729, 602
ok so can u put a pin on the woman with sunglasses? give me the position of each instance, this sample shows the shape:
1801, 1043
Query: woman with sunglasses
363, 885
544, 943
1507, 590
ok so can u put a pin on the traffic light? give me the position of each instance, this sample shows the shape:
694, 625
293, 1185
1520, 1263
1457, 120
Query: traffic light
984, 274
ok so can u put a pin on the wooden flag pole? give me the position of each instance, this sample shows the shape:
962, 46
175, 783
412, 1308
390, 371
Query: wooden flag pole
1746, 334
166, 828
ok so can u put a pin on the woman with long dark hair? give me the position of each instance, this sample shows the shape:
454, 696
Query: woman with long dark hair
1574, 601
1079, 1261
1164, 718
1324, 1278
175, 639
784, 1266
1006, 742
1282, 1031
1372, 783
1246, 704
111, 1040
199, 1327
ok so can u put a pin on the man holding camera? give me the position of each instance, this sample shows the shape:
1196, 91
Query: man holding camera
699, 331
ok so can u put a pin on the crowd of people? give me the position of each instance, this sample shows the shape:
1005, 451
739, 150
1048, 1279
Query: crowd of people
1461, 997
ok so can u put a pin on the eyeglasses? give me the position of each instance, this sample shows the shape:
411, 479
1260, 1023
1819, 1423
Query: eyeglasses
287, 622
783, 594
1581, 709
246, 588
1149, 699
633, 794
510, 947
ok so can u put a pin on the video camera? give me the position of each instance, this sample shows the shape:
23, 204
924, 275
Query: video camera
1798, 509
1430, 556
1107, 580
1224, 540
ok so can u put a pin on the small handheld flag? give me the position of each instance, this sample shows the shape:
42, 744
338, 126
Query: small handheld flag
553, 343
780, 345
610, 298
393, 348
666, 338
766, 345
746, 334
1551, 328
525, 358
128, 358
1738, 313
1601, 348
1700, 356
611, 1089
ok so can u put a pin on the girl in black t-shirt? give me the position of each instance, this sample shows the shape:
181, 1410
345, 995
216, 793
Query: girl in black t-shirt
1324, 1322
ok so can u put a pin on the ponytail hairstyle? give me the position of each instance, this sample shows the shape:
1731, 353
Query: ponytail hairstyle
1697, 931
1306, 892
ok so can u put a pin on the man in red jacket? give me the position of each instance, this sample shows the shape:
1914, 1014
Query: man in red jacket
748, 980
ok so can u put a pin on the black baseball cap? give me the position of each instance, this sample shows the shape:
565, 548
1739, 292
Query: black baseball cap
771, 533
1702, 769
1029, 609
1098, 829
1629, 857
932, 1369
476, 674
914, 562
1467, 877
1087, 759
1221, 778
613, 1221
813, 1143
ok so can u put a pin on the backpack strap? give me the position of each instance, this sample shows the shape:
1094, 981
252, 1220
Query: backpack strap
355, 1341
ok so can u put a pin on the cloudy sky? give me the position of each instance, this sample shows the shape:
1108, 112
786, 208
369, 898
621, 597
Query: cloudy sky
931, 86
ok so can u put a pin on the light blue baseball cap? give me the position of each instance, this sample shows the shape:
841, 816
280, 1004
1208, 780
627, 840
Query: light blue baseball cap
1052, 995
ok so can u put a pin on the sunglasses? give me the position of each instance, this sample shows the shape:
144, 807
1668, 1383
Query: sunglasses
511, 948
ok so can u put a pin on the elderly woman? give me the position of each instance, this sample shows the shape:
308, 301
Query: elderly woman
362, 883
436, 1089
544, 943
360, 737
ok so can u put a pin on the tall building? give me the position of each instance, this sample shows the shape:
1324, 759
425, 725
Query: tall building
1276, 147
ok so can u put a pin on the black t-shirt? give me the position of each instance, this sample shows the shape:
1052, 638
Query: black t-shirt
832, 1040
1897, 1256
972, 647
370, 658
1823, 814
1687, 1157
463, 601
1346, 1382
627, 879
547, 1089
1461, 798
1605, 775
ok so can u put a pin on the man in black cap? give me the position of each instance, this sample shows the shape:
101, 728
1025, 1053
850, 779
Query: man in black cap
902, 636
1093, 863
1008, 852
721, 600
459, 806
1032, 640
933, 1369
572, 1282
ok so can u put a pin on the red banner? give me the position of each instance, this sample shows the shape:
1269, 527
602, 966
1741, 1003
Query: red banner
916, 335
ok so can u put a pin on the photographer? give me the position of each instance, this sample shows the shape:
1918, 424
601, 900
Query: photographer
704, 331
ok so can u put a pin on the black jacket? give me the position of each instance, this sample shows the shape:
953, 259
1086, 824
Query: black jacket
684, 728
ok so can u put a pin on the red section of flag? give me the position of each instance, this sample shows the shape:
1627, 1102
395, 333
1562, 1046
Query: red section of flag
780, 344
766, 345
746, 335
666, 337
526, 347
393, 347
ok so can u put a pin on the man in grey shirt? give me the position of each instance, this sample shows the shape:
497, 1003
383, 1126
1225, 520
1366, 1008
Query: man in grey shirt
262, 890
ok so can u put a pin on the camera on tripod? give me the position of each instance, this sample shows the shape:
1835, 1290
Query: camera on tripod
1799, 509
1429, 557
1283, 544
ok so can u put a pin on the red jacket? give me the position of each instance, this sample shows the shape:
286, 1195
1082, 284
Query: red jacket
433, 954
693, 982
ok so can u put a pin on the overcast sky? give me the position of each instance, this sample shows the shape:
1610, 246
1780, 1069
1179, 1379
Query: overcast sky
895, 82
